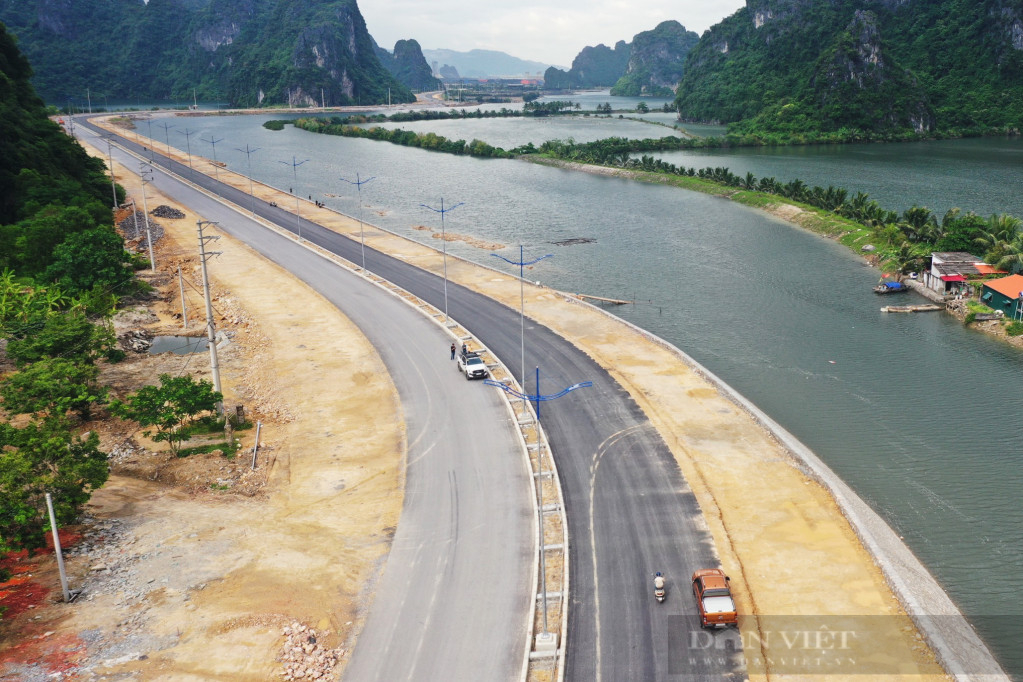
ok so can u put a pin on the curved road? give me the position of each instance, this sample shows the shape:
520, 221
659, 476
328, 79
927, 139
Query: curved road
466, 532
630, 513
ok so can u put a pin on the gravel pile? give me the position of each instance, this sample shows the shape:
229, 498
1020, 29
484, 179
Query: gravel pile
125, 450
112, 572
136, 340
137, 238
128, 225
163, 211
304, 658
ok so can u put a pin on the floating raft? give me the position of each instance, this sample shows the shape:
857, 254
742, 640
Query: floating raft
911, 308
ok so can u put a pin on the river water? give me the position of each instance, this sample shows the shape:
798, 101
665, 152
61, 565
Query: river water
918, 414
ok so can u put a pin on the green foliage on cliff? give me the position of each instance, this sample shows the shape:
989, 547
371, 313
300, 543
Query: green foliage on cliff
56, 242
593, 67
791, 66
55, 198
656, 62
248, 52
409, 66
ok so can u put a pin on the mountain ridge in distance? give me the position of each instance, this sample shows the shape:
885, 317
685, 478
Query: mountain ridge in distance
484, 63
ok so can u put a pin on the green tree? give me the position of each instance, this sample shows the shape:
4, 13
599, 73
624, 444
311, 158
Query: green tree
642, 107
168, 407
44, 457
918, 224
907, 257
1012, 256
67, 335
996, 239
89, 258
54, 386
960, 232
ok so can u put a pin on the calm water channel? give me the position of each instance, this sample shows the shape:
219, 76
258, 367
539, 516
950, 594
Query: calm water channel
917, 413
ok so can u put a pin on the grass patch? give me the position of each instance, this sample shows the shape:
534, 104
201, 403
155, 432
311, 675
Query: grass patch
229, 450
211, 424
978, 307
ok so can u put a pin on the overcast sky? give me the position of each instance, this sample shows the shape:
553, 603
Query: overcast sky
551, 31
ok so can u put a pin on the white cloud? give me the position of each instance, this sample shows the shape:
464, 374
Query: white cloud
551, 32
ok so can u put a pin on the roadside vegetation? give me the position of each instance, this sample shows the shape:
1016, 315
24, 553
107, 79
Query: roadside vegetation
63, 272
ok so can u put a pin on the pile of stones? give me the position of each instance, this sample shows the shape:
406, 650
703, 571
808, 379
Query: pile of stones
304, 658
163, 211
136, 340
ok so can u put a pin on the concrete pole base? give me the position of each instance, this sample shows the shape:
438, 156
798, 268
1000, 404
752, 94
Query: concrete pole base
546, 641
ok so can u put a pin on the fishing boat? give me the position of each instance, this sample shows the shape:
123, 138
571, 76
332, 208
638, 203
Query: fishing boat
890, 288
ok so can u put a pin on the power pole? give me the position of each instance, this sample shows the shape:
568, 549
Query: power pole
211, 335
113, 185
248, 159
147, 177
184, 312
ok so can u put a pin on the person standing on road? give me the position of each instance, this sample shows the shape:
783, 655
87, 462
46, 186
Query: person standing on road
452, 350
465, 349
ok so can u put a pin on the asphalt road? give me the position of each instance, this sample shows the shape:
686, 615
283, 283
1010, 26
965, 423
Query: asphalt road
630, 513
466, 532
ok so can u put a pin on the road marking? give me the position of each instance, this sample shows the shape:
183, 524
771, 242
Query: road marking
597, 456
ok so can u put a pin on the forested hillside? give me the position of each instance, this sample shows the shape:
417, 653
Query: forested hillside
62, 267
246, 52
593, 67
656, 63
408, 65
787, 66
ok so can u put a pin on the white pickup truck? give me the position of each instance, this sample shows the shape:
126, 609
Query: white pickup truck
472, 365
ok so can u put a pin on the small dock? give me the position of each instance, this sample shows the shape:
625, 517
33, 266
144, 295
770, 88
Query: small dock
601, 299
928, 308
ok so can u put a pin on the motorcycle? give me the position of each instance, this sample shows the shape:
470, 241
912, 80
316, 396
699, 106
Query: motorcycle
659, 591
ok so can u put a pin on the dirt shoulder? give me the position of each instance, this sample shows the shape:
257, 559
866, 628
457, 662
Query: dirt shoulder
300, 551
196, 568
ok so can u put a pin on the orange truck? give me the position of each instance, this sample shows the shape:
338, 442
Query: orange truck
714, 598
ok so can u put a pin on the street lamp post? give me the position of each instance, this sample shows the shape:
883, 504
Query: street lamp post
152, 151
166, 131
538, 398
248, 159
362, 237
188, 142
522, 305
213, 141
444, 246
294, 169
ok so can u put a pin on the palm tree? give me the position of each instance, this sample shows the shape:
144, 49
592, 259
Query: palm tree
1012, 256
918, 223
995, 240
795, 190
854, 207
907, 257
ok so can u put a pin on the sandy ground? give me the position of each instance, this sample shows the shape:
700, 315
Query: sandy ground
306, 547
